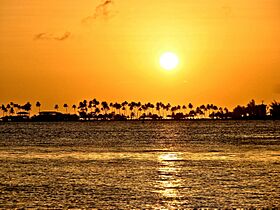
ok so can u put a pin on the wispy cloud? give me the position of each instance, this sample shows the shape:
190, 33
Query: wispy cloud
50, 36
102, 11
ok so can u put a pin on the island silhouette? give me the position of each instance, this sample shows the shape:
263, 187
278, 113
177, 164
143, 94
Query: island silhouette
94, 110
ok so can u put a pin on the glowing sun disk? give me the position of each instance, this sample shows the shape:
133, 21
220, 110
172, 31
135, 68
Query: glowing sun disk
168, 61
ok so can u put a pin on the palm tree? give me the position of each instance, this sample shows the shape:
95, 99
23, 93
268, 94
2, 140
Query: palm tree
95, 102
4, 109
113, 107
184, 107
158, 106
226, 115
8, 107
118, 107
178, 108
56, 107
65, 106
27, 107
251, 108
275, 110
124, 104
167, 107
83, 106
90, 105
152, 106
199, 111
38, 104
124, 110
208, 107
105, 106
132, 115
74, 107
239, 112
138, 106
203, 108
144, 108
97, 111
191, 107
173, 109
17, 107
12, 111
132, 105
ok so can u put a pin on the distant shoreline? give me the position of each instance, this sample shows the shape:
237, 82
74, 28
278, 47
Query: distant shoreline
136, 111
142, 121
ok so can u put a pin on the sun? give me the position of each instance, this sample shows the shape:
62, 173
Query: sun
168, 61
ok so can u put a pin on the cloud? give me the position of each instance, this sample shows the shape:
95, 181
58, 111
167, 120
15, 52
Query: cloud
66, 35
50, 36
102, 11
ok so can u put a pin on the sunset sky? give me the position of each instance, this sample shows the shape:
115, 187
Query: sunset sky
66, 51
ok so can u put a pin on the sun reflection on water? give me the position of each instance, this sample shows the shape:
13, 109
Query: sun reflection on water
169, 179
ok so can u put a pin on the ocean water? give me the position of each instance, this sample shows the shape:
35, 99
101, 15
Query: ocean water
136, 165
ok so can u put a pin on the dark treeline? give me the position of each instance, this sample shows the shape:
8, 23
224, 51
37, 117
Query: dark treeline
96, 110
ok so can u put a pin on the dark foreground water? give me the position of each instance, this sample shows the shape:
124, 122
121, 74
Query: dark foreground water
135, 165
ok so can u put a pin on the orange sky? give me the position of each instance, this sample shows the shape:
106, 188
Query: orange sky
65, 51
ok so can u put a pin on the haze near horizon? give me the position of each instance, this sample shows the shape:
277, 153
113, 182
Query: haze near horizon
66, 51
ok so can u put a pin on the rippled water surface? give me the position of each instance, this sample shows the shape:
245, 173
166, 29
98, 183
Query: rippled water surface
135, 165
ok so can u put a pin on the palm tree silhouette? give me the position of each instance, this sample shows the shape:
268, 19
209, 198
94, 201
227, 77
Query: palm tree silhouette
190, 106
97, 111
158, 106
95, 104
38, 104
124, 104
112, 105
131, 106
65, 106
203, 109
275, 110
105, 106
138, 106
27, 107
16, 106
74, 107
56, 107
90, 105
208, 107
83, 106
4, 109
8, 107
12, 111
167, 107
118, 107
184, 107
155, 111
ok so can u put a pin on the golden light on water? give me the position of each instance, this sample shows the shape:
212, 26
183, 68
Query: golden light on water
169, 180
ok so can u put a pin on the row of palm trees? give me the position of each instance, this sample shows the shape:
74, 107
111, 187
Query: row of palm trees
136, 110
129, 109
13, 108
